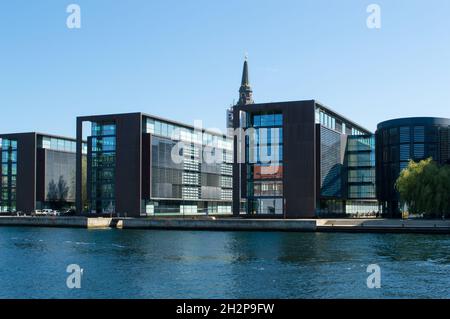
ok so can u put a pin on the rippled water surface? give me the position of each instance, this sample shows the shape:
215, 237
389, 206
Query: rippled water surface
188, 264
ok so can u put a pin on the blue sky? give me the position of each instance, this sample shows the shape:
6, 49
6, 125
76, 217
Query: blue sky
183, 59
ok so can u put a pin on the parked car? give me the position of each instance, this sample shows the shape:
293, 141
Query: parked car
47, 212
69, 212
51, 212
38, 212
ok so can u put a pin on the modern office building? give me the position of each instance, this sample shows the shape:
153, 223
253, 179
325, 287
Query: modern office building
142, 165
359, 175
299, 159
400, 140
37, 172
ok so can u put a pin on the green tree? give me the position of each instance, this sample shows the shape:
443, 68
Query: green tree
425, 188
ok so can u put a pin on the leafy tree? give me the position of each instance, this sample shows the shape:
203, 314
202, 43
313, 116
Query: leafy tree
425, 188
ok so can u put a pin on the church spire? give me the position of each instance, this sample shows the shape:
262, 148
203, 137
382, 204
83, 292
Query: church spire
245, 91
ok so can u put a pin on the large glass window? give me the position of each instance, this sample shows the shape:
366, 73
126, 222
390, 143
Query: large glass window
101, 129
327, 120
405, 134
58, 144
268, 119
8, 175
362, 191
405, 152
104, 144
419, 134
360, 160
266, 206
419, 151
264, 157
103, 160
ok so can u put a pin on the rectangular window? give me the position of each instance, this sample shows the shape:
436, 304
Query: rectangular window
8, 175
419, 134
405, 135
103, 167
405, 152
158, 127
419, 151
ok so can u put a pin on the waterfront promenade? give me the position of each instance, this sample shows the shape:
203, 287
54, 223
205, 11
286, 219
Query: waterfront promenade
236, 224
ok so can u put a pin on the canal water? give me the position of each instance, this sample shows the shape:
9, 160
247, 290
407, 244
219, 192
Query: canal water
189, 264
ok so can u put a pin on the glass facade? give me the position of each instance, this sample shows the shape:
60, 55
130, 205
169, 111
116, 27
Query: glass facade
8, 172
264, 161
361, 208
60, 170
198, 180
102, 161
402, 140
330, 163
335, 123
402, 144
347, 169
360, 164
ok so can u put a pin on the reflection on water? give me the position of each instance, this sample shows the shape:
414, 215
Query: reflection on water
177, 264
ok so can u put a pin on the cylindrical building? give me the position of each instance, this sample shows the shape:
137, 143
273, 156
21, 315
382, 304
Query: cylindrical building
400, 140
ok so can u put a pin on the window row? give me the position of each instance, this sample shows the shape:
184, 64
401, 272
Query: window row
9, 156
58, 144
362, 191
9, 169
407, 134
361, 175
197, 136
101, 190
327, 120
9, 181
265, 188
266, 119
103, 159
265, 206
103, 129
8, 194
265, 154
106, 174
406, 152
361, 159
256, 172
8, 144
104, 144
361, 143
264, 136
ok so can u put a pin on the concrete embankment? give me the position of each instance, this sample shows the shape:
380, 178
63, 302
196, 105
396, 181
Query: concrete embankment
236, 224
383, 226
52, 221
222, 224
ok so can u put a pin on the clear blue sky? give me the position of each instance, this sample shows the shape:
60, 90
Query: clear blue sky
183, 59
